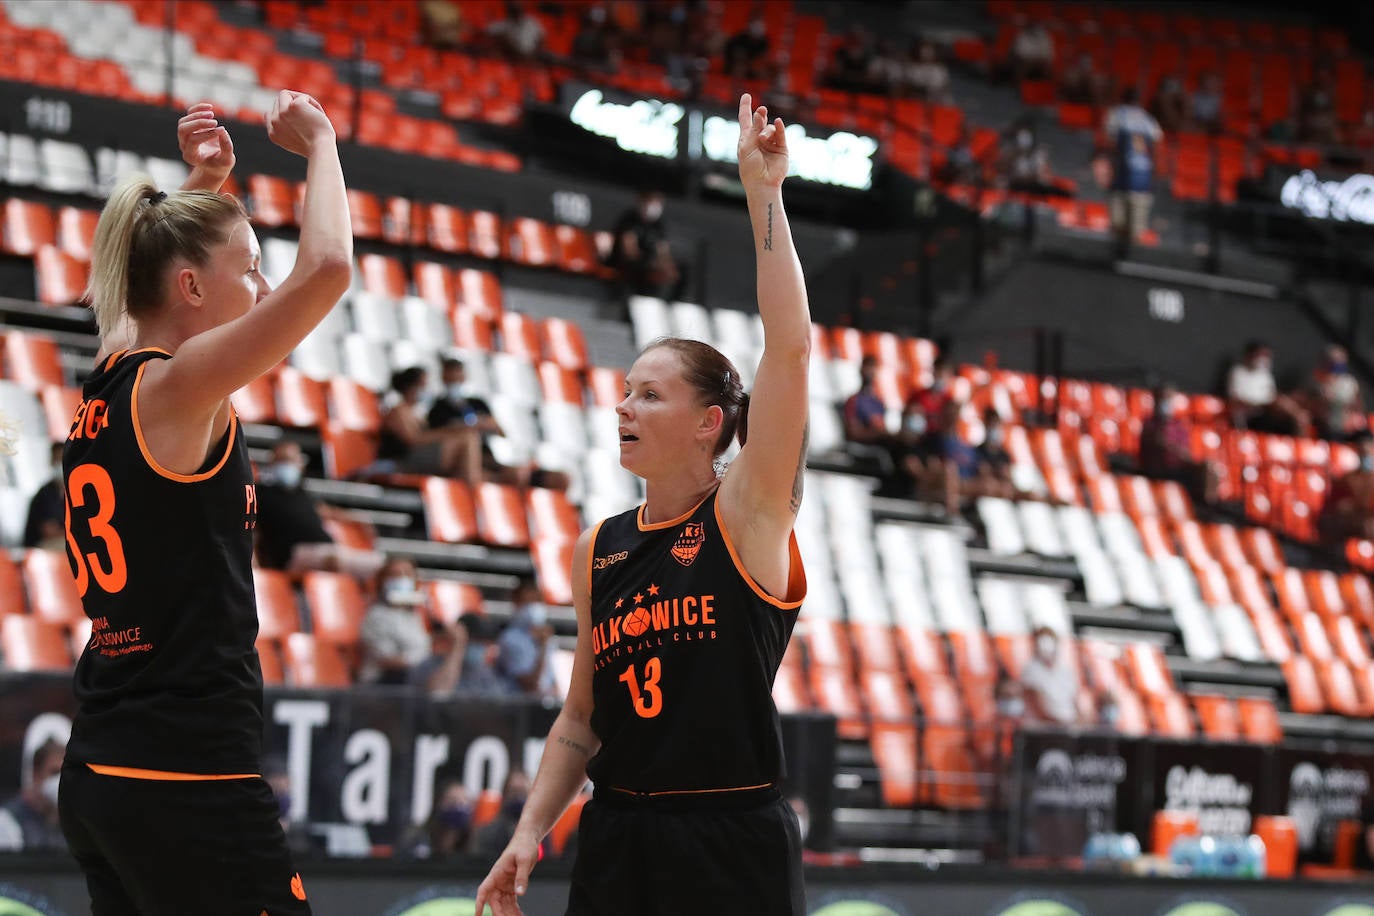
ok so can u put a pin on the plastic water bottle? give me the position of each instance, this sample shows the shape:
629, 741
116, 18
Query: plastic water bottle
1097, 850
1183, 855
1256, 857
1230, 857
1129, 848
1207, 859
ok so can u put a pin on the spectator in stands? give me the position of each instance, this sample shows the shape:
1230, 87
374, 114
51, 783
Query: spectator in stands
291, 528
924, 75
463, 660
1011, 713
994, 461
865, 424
441, 22
457, 405
1082, 84
1254, 399
29, 821
1026, 162
746, 53
959, 464
1349, 508
598, 40
493, 836
1334, 399
45, 526
394, 637
448, 832
1108, 711
525, 657
922, 435
852, 63
1165, 451
1032, 52
1132, 135
408, 445
641, 252
1205, 105
1050, 681
1171, 105
520, 35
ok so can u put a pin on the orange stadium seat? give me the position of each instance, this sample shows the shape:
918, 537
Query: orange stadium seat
52, 592
894, 750
559, 385
256, 402
501, 516
403, 222
1324, 593
446, 228
1304, 690
973, 656
11, 586
277, 612
382, 275
271, 201
480, 291
553, 570
948, 775
1013, 651
450, 599
435, 283
1219, 716
1259, 719
1312, 637
76, 232
576, 250
563, 343
551, 515
61, 277
1147, 668
336, 606
530, 242
922, 652
875, 647
270, 661
1359, 596
520, 336
886, 696
1348, 639
566, 826
485, 239
59, 409
365, 211
353, 406
350, 532
450, 513
27, 226
472, 330
1338, 686
606, 384
1263, 549
346, 451
827, 645
314, 662
31, 644
301, 400
835, 693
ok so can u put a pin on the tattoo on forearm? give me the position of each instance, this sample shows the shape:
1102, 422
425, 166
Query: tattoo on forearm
768, 239
580, 748
800, 479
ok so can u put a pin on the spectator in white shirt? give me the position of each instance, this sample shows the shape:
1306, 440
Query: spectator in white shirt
1254, 399
1050, 682
395, 635
1032, 53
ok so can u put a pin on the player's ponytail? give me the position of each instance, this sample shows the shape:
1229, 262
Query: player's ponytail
141, 231
742, 430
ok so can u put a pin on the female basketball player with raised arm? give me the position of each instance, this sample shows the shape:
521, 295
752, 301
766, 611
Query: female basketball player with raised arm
161, 799
684, 608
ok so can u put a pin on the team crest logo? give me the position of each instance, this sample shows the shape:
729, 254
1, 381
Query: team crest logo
688, 543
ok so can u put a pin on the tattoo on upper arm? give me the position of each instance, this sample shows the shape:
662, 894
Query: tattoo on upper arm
768, 238
580, 748
797, 481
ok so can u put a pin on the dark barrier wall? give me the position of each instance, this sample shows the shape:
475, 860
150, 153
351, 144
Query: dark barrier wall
376, 889
1069, 785
372, 758
1131, 326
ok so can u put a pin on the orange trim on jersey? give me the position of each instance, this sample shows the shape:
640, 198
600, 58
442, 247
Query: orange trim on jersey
166, 775
639, 516
796, 573
763, 785
147, 453
591, 556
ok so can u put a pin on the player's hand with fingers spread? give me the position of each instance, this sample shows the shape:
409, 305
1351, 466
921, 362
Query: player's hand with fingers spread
509, 878
204, 143
298, 124
762, 146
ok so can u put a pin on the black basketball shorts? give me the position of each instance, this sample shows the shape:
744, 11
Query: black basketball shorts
171, 848
731, 854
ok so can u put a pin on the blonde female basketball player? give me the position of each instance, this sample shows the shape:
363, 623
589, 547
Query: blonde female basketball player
684, 607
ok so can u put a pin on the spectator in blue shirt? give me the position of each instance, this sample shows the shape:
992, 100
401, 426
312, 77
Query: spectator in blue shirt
1133, 134
525, 647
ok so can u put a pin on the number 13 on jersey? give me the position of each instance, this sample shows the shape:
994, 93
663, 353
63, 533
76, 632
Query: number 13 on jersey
646, 697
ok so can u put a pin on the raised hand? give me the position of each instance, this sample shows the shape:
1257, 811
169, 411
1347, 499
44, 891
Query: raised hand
762, 146
298, 124
204, 143
508, 878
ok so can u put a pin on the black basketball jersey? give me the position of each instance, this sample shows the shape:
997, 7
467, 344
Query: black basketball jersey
170, 678
686, 646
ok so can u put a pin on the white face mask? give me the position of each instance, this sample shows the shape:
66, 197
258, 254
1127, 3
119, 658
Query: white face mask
653, 210
286, 473
50, 786
399, 590
1045, 645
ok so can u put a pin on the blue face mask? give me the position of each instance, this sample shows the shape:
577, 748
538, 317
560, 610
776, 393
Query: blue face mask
400, 590
455, 817
287, 474
1339, 368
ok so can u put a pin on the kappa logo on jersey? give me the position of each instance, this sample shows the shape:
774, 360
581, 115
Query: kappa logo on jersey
297, 887
610, 560
688, 543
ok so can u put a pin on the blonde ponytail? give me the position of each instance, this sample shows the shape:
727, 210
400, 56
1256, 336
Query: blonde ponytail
141, 231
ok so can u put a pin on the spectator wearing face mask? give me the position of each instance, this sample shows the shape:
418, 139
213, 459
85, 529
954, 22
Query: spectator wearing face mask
463, 660
1011, 712
994, 461
409, 445
395, 637
1164, 449
1349, 508
1132, 136
923, 428
29, 821
1254, 399
1050, 682
525, 650
45, 526
493, 836
448, 832
1334, 398
641, 252
291, 528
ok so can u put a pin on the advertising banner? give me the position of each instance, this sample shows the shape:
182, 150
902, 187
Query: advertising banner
1318, 789
1070, 786
1222, 783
